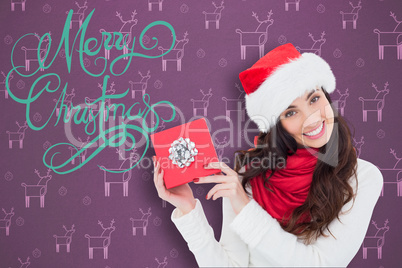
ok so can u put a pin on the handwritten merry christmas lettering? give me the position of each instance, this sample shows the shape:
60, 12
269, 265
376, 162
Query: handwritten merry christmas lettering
84, 114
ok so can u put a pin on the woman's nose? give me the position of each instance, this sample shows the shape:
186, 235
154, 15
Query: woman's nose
313, 119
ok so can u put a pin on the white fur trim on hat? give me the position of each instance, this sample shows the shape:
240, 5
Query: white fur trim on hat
288, 82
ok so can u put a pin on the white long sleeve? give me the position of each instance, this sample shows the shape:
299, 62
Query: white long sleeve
230, 251
263, 243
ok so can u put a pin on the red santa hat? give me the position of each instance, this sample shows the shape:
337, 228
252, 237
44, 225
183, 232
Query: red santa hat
280, 77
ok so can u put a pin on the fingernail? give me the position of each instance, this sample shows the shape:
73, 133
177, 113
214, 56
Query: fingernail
206, 197
196, 179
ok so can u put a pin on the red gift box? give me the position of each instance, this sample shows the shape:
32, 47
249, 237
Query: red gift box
183, 150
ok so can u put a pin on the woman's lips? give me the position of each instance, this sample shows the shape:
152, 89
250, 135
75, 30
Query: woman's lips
319, 134
315, 128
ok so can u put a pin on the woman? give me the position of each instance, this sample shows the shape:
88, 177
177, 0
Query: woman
308, 205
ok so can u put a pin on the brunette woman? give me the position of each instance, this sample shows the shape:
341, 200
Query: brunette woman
311, 204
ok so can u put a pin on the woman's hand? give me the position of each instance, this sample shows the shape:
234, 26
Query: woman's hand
228, 186
181, 196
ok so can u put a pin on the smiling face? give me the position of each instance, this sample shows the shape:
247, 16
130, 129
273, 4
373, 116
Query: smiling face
309, 119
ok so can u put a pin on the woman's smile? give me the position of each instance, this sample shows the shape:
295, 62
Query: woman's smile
317, 133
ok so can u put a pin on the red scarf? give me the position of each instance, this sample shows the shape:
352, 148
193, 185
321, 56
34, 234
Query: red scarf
290, 185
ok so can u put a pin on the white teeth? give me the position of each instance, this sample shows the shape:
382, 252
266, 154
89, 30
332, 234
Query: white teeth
315, 132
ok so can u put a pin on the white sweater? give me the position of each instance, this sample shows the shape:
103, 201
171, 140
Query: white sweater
255, 239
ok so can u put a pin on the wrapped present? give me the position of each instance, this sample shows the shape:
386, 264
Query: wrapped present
182, 151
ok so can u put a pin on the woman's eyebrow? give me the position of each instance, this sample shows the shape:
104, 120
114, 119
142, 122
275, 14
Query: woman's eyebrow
308, 96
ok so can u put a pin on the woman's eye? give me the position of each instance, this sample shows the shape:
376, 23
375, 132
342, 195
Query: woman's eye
289, 114
316, 97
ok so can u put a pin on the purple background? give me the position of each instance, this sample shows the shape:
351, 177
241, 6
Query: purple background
211, 60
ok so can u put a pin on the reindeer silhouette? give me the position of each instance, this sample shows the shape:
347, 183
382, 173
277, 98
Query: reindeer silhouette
5, 223
342, 100
140, 86
398, 168
376, 104
390, 39
102, 241
38, 190
4, 83
316, 47
126, 30
235, 105
393, 175
176, 54
352, 16
358, 146
31, 54
78, 16
65, 239
377, 241
17, 136
95, 104
68, 101
203, 103
142, 222
258, 38
214, 16
120, 178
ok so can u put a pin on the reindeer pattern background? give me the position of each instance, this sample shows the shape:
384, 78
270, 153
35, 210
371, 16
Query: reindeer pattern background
95, 218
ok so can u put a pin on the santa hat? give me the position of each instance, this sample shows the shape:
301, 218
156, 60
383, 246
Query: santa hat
280, 77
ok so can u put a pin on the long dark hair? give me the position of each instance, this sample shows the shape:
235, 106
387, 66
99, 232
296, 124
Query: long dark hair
329, 190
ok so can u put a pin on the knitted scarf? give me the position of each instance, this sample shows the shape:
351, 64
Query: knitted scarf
290, 186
